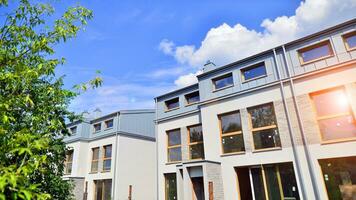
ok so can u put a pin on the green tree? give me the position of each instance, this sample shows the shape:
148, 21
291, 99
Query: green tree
33, 101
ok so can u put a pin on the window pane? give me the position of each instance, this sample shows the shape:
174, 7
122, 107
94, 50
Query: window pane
230, 122
266, 139
97, 127
94, 166
174, 154
196, 134
192, 97
339, 177
331, 102
98, 190
109, 123
108, 151
258, 187
95, 153
337, 128
173, 103
73, 130
272, 182
107, 165
262, 116
254, 72
223, 81
351, 41
288, 181
196, 151
233, 143
171, 186
316, 52
174, 137
107, 189
68, 168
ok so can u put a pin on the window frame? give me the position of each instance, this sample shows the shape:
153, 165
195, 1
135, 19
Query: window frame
313, 46
97, 124
186, 99
244, 69
106, 123
103, 187
165, 184
67, 161
220, 78
269, 127
317, 118
106, 158
94, 160
175, 108
174, 146
195, 143
347, 35
230, 133
73, 128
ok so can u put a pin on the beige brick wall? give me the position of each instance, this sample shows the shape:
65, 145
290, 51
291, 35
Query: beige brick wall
213, 174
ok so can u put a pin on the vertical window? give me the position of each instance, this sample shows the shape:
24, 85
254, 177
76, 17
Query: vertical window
73, 130
192, 97
174, 146
95, 159
231, 133
315, 52
171, 186
109, 123
350, 40
107, 158
172, 104
253, 72
223, 81
264, 127
69, 162
195, 142
97, 127
334, 114
103, 189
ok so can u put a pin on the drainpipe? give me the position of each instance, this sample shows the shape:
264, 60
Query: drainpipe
301, 126
116, 154
156, 134
286, 110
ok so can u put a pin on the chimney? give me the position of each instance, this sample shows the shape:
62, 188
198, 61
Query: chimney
97, 113
208, 66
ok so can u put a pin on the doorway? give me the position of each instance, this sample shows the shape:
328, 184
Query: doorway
198, 188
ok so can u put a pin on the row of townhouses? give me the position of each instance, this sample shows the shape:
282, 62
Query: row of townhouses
277, 125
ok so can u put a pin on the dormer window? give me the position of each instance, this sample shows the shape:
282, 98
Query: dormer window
73, 130
192, 97
172, 104
109, 123
350, 40
315, 52
97, 127
253, 72
223, 81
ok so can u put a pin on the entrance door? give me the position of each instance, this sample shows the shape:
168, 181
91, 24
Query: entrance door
198, 188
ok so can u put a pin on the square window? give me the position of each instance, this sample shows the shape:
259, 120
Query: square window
254, 72
109, 123
73, 130
192, 97
350, 40
97, 127
172, 104
223, 81
315, 52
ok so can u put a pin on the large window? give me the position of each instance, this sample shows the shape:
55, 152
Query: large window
231, 133
267, 182
315, 52
174, 146
107, 158
95, 159
172, 104
223, 81
350, 40
264, 127
68, 162
195, 142
253, 72
339, 177
170, 186
97, 127
334, 115
103, 189
109, 123
192, 97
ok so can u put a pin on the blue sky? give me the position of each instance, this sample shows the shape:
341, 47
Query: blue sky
146, 48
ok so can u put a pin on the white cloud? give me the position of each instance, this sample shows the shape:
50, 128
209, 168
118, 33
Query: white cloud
187, 79
225, 43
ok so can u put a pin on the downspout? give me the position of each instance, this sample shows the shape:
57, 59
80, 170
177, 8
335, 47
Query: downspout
156, 134
295, 153
116, 153
301, 126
